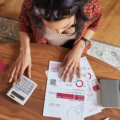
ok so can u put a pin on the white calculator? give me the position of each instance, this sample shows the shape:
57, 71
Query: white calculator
21, 93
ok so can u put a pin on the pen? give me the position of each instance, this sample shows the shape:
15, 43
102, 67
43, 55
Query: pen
106, 119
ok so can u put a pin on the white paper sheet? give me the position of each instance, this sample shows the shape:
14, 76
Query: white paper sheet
91, 106
94, 84
61, 91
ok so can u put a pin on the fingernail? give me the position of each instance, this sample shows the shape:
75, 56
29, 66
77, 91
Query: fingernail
13, 84
9, 80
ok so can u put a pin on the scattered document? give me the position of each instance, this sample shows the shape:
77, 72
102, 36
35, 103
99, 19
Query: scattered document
61, 96
75, 100
93, 82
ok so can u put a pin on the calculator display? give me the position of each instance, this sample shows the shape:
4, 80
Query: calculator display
17, 95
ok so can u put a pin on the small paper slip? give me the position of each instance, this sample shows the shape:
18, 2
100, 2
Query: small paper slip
2, 66
94, 85
64, 99
91, 106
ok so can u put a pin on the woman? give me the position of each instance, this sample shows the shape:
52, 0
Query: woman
66, 23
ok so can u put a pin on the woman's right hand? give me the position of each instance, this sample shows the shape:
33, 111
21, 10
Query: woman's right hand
17, 70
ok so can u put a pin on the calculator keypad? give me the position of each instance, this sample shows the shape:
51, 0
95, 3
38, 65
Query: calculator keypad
26, 86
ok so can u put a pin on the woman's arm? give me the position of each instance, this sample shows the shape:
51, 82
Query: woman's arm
89, 33
25, 43
72, 59
81, 44
23, 61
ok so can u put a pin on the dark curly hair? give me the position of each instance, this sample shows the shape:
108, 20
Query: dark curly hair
59, 4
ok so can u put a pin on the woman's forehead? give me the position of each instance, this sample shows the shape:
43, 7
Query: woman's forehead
55, 4
57, 24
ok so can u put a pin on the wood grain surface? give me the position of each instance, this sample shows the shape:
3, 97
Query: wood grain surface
41, 55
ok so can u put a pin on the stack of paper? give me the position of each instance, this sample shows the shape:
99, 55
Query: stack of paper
71, 101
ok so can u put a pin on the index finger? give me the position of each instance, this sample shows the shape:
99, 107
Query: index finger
21, 74
64, 70
10, 70
79, 71
73, 74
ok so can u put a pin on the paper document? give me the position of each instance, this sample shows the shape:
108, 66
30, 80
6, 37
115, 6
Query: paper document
95, 87
63, 97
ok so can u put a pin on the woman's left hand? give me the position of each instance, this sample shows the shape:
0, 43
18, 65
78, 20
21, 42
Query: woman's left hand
72, 60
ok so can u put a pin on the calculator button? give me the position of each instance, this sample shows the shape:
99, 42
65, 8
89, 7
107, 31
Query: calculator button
14, 87
17, 82
26, 86
26, 80
20, 84
30, 83
33, 84
30, 90
32, 87
23, 82
22, 90
17, 89
27, 93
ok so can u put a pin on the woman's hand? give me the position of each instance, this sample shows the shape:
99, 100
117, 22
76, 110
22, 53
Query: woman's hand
23, 61
72, 61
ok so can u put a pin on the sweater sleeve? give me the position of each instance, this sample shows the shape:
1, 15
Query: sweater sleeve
25, 26
96, 23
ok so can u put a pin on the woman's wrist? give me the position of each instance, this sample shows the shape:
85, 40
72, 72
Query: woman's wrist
25, 43
25, 50
80, 46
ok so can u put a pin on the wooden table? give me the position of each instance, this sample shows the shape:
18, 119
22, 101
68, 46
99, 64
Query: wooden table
41, 55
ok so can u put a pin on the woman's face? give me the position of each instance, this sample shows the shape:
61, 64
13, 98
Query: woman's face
60, 25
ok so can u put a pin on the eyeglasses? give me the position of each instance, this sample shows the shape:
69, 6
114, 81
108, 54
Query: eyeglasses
59, 13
